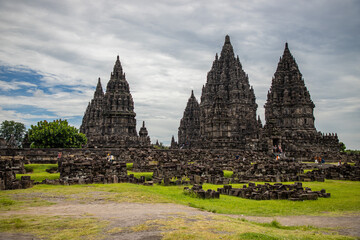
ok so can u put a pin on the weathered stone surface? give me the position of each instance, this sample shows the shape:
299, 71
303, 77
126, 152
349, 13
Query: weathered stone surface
8, 170
293, 192
91, 169
284, 170
109, 120
342, 172
201, 193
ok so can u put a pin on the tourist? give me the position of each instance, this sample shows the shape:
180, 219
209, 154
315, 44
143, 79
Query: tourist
59, 155
322, 161
339, 163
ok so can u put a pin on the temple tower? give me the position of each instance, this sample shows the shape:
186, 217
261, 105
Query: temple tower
109, 120
93, 118
228, 107
289, 105
119, 105
189, 129
289, 113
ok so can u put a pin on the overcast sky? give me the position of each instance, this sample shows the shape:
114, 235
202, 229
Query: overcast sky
52, 53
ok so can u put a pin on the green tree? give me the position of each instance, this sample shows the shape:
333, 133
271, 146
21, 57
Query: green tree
12, 128
342, 147
56, 134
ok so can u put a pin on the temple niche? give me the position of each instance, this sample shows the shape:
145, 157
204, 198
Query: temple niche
109, 120
289, 115
228, 107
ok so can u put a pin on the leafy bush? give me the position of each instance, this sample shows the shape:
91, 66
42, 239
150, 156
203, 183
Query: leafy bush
56, 134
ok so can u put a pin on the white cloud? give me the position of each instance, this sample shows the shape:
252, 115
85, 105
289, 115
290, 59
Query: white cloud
14, 85
167, 48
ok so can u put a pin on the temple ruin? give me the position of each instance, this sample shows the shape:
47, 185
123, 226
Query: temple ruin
109, 120
227, 118
228, 107
289, 115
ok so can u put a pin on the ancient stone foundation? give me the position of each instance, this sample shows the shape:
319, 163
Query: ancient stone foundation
294, 192
8, 170
342, 172
91, 169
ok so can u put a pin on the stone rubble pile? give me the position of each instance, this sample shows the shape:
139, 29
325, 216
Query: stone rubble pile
285, 170
8, 170
91, 169
293, 192
201, 193
342, 172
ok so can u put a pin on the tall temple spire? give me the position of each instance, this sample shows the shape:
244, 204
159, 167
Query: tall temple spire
118, 71
110, 120
227, 51
99, 90
289, 113
289, 104
189, 129
227, 39
228, 107
287, 61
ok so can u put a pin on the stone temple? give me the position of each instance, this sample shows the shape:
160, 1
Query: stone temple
189, 130
109, 120
289, 114
227, 117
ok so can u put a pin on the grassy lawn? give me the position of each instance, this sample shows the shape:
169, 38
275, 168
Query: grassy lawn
228, 174
148, 175
38, 173
192, 227
344, 200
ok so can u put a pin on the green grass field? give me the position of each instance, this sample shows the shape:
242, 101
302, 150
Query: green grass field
344, 200
38, 173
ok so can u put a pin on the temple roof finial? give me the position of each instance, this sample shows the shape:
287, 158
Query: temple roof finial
227, 39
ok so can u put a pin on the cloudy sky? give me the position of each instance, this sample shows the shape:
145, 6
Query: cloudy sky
52, 52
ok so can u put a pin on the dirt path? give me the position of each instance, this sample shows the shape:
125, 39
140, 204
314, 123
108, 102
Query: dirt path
131, 214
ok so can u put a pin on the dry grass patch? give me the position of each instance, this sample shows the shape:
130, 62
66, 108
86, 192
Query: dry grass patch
222, 227
54, 227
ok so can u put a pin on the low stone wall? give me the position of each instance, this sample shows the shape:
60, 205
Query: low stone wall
8, 170
342, 172
91, 168
147, 158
